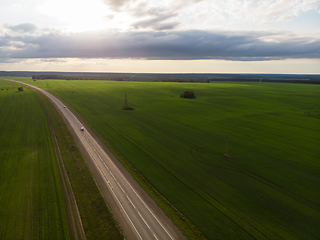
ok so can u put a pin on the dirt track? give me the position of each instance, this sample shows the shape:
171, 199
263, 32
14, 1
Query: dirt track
73, 214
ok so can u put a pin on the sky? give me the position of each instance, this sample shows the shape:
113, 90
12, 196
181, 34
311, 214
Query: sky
168, 36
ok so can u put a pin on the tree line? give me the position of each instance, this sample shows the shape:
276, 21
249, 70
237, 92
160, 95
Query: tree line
179, 80
67, 77
139, 79
265, 80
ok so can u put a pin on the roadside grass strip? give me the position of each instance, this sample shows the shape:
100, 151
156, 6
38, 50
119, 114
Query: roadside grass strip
96, 217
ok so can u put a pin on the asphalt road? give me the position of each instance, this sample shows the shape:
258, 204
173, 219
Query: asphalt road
144, 222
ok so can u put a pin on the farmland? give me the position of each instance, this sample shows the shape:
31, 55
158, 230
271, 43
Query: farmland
31, 199
268, 187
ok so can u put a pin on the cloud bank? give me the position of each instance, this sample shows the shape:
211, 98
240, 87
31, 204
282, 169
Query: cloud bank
156, 15
172, 45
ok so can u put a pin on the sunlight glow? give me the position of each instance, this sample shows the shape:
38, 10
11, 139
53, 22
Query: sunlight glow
78, 15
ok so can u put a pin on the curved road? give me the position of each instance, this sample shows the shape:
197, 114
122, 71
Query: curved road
143, 221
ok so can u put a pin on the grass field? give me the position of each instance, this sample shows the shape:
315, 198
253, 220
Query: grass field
269, 188
31, 201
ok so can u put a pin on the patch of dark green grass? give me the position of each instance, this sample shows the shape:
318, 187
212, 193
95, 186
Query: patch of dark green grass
315, 114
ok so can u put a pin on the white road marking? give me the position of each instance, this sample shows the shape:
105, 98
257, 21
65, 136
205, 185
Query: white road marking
120, 187
120, 205
112, 175
138, 195
143, 220
111, 188
130, 201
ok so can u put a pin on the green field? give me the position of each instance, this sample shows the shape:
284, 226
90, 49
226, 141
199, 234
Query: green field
269, 188
31, 200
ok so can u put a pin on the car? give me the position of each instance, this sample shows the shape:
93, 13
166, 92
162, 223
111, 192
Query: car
82, 129
64, 106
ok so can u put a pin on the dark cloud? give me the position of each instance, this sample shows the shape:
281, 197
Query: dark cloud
157, 23
23, 27
9, 60
4, 41
173, 45
165, 26
146, 16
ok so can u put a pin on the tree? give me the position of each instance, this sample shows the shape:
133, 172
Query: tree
188, 94
20, 89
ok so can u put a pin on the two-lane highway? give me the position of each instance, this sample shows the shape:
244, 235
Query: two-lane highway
143, 221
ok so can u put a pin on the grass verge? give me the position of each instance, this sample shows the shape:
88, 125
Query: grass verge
97, 219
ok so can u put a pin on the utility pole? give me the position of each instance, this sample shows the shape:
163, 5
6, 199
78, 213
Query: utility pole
227, 145
126, 106
125, 100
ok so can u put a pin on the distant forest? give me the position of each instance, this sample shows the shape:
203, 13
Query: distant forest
182, 78
169, 77
77, 77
